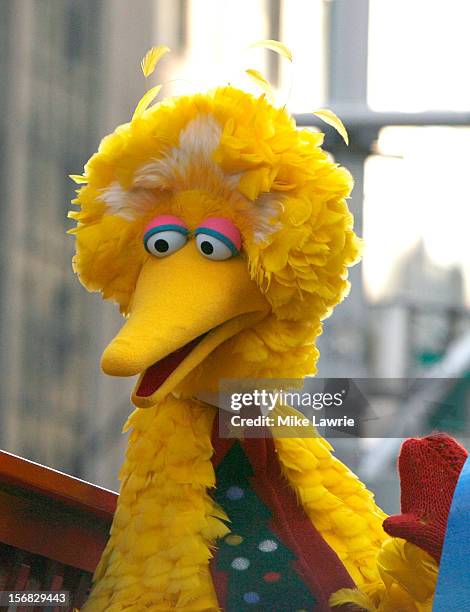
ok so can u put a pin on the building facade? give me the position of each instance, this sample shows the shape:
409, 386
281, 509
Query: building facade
59, 62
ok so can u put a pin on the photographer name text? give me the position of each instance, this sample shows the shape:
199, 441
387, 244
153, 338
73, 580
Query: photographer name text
291, 421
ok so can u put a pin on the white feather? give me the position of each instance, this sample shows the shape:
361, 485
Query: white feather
127, 204
197, 144
265, 211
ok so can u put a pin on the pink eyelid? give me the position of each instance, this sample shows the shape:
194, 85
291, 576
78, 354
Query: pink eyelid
225, 227
218, 224
165, 220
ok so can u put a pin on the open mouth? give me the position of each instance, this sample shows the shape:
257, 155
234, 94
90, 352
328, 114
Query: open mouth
161, 377
156, 374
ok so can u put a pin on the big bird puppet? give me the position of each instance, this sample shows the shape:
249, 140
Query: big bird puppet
223, 233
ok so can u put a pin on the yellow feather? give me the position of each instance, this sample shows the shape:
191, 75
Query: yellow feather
260, 80
329, 117
351, 596
78, 178
408, 566
145, 101
151, 59
274, 45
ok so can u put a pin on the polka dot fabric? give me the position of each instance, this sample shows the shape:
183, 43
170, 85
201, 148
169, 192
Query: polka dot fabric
259, 570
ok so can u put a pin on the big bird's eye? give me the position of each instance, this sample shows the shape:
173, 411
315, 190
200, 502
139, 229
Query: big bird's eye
164, 235
212, 247
218, 238
165, 243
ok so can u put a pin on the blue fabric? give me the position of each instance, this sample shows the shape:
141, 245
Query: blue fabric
453, 581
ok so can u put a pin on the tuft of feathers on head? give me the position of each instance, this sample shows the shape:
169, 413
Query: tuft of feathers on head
272, 179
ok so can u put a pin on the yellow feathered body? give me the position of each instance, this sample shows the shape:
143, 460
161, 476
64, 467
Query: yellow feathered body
287, 197
167, 525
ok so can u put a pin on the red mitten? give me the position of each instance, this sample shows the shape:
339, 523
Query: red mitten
429, 470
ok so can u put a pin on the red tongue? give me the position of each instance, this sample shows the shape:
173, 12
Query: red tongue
157, 373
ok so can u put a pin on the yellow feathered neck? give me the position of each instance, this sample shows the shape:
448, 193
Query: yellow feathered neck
166, 522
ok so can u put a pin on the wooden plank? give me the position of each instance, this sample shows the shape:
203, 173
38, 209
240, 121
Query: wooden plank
45, 528
55, 485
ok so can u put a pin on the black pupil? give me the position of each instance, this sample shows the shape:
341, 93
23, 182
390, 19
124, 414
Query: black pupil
207, 248
161, 245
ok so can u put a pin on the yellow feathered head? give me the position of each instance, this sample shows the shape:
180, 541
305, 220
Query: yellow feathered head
223, 154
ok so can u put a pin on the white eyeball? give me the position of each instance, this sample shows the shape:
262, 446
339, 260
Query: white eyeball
212, 247
162, 244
